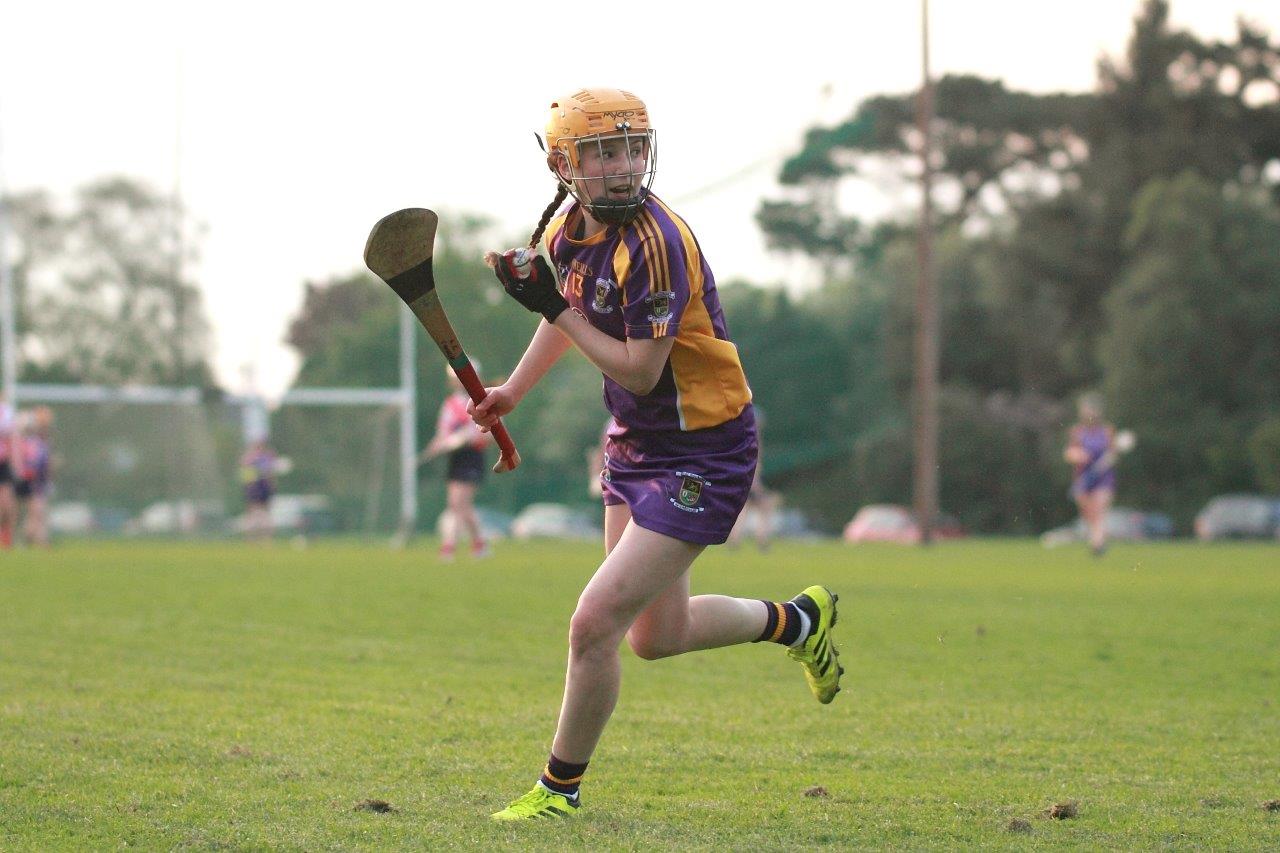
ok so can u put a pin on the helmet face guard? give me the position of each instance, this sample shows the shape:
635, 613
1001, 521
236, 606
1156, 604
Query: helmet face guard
599, 148
607, 130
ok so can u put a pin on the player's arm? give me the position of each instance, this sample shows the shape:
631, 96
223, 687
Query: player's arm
1075, 453
436, 445
635, 364
544, 350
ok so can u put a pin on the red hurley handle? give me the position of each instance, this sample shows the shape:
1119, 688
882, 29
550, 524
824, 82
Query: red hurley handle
510, 457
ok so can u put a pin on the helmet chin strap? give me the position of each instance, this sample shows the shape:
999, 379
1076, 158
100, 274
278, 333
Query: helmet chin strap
615, 212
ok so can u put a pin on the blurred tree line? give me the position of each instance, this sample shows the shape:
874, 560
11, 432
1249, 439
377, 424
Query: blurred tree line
1125, 239
103, 295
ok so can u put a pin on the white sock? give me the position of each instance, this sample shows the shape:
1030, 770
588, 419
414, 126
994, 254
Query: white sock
572, 799
804, 629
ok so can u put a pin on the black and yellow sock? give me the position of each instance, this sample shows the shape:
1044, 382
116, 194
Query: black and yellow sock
563, 777
786, 624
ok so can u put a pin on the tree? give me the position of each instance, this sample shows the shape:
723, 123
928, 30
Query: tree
1053, 279
1193, 337
102, 289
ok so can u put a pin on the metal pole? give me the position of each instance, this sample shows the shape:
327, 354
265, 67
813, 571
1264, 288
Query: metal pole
926, 338
8, 323
408, 424
178, 235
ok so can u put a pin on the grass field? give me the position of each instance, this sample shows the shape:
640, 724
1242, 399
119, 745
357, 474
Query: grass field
226, 696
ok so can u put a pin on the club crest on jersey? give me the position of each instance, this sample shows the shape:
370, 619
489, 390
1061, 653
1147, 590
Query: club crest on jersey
689, 494
600, 304
659, 307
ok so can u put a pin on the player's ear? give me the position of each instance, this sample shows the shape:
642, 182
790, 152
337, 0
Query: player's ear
559, 164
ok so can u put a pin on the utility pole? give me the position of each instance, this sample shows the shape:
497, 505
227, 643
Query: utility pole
925, 480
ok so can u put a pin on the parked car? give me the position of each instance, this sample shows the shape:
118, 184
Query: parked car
110, 520
71, 518
787, 523
554, 520
1239, 517
180, 516
1123, 525
296, 514
494, 524
892, 523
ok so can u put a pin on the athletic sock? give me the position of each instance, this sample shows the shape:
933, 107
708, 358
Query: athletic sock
785, 624
809, 610
562, 777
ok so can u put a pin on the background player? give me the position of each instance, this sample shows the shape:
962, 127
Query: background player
1093, 484
465, 443
640, 302
258, 468
8, 499
32, 470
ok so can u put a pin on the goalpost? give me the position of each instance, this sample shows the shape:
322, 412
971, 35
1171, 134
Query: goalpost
404, 398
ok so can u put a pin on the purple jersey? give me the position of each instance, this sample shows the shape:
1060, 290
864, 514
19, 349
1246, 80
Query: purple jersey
1089, 477
648, 279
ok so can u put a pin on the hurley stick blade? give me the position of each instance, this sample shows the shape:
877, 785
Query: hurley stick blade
398, 251
400, 242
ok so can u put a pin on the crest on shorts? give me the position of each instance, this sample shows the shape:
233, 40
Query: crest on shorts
600, 304
659, 307
691, 490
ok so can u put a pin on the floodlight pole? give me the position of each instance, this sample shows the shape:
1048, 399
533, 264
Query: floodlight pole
408, 424
925, 486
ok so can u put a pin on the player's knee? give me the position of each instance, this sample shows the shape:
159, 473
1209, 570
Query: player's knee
651, 647
592, 630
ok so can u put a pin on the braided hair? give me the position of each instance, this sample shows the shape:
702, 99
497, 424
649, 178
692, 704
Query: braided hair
561, 192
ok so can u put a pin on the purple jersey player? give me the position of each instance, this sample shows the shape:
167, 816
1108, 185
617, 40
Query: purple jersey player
1093, 482
636, 297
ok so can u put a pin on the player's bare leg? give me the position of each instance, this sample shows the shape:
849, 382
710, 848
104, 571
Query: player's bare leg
461, 501
8, 514
676, 623
37, 527
1099, 501
641, 591
638, 568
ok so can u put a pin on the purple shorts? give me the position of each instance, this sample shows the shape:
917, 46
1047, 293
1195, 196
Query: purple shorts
686, 485
1088, 483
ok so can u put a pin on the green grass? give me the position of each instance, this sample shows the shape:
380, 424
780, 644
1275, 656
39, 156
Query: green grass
225, 696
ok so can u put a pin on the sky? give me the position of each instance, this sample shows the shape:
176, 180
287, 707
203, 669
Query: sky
290, 128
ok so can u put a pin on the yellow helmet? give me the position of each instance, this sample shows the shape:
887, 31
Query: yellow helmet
595, 116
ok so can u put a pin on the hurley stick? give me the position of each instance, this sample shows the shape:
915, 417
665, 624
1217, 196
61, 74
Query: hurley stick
399, 252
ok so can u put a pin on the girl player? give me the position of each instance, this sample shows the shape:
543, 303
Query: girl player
465, 444
33, 469
8, 459
637, 298
1090, 449
258, 474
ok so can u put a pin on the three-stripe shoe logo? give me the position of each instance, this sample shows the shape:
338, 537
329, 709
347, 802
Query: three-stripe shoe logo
822, 653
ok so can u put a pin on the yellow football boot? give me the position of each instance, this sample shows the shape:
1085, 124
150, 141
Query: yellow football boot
818, 653
538, 803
